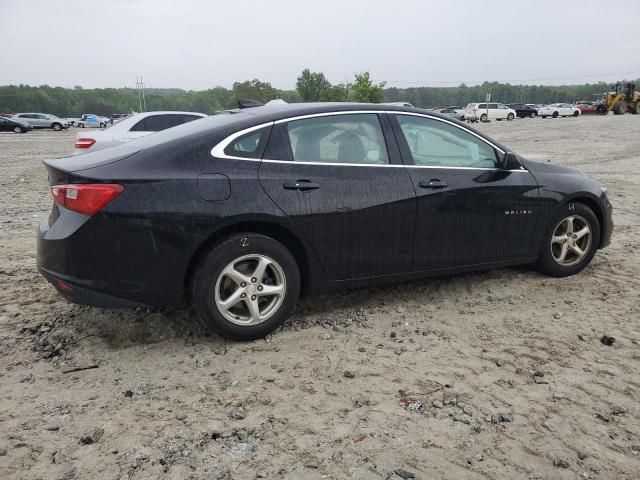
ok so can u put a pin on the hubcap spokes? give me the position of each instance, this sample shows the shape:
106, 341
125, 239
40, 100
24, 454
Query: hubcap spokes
250, 290
571, 240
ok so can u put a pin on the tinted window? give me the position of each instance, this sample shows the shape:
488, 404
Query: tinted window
349, 138
157, 123
434, 143
493, 106
250, 145
482, 106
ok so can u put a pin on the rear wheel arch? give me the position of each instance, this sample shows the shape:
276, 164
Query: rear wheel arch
272, 230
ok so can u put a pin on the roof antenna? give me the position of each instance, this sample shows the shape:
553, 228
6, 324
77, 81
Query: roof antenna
249, 103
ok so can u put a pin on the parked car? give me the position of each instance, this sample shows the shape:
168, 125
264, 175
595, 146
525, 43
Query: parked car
14, 125
237, 214
587, 107
42, 120
495, 111
116, 117
458, 114
130, 128
524, 111
91, 120
556, 110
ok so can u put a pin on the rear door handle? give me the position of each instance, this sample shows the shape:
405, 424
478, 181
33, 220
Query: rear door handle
300, 185
433, 183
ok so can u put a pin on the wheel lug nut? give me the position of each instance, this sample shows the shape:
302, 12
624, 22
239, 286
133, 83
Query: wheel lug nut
243, 284
254, 280
259, 288
253, 297
243, 295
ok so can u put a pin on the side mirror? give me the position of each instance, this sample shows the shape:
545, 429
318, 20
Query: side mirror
510, 161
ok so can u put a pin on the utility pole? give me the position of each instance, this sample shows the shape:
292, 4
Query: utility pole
141, 100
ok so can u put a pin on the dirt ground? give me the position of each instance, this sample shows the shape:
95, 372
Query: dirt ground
434, 377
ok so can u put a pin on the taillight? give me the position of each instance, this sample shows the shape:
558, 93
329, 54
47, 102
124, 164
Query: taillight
84, 142
86, 198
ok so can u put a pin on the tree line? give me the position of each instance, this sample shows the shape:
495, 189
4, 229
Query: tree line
310, 87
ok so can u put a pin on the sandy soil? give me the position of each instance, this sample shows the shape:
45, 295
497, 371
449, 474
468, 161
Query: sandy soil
435, 377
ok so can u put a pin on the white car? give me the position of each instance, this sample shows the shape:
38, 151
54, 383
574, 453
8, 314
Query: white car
556, 110
130, 128
491, 111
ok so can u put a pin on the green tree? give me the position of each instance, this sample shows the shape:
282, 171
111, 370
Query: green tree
366, 91
254, 90
312, 86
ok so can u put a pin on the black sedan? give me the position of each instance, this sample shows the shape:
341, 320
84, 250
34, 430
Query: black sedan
11, 125
524, 111
239, 213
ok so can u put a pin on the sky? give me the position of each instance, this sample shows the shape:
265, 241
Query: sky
199, 44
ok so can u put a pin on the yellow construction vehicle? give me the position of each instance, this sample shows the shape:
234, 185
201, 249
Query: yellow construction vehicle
625, 98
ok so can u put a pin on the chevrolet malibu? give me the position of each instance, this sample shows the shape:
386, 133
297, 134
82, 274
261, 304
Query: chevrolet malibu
239, 214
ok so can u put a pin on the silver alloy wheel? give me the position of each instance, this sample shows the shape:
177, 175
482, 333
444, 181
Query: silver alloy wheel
57, 127
17, 129
250, 289
571, 240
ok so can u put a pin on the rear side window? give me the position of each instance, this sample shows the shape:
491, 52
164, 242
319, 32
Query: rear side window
482, 106
249, 145
157, 123
435, 143
351, 138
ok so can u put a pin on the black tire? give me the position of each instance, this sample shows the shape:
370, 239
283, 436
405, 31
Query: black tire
510, 117
619, 108
555, 115
18, 129
81, 125
576, 113
637, 109
483, 117
56, 126
533, 115
102, 125
546, 263
543, 116
211, 266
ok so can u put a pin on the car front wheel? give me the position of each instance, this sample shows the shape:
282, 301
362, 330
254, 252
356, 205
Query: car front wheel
555, 115
533, 115
57, 127
483, 117
570, 242
246, 286
18, 129
510, 117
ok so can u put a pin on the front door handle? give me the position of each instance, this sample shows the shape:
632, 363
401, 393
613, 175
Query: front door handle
433, 183
302, 185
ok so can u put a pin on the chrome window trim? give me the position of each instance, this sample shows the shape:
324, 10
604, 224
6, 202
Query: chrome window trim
218, 150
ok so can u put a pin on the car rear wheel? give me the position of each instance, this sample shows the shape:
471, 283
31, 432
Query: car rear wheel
246, 286
81, 125
555, 115
510, 117
18, 129
56, 126
102, 125
576, 113
533, 115
483, 117
570, 242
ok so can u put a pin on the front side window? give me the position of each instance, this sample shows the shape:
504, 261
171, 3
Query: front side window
351, 138
435, 143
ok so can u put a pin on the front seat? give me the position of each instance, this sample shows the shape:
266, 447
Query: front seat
350, 148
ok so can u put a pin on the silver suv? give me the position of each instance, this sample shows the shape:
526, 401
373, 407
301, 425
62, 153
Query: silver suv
43, 120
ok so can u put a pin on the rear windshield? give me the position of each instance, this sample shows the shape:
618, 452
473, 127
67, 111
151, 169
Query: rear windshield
189, 128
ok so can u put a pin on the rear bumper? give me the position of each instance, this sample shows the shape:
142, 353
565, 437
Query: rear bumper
72, 290
103, 263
